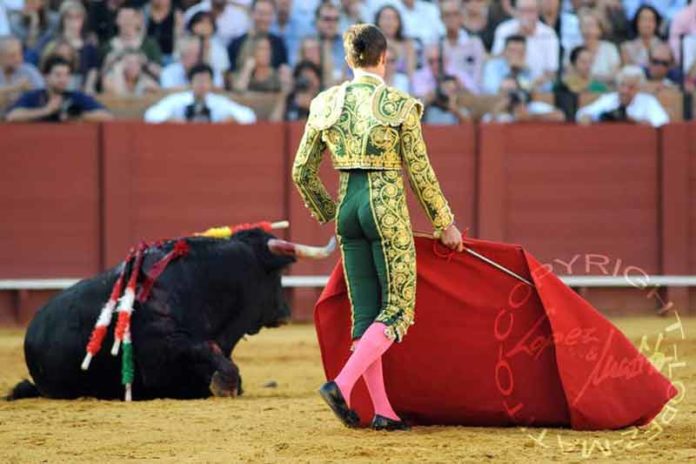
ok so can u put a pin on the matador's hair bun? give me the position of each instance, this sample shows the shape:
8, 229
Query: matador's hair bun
364, 45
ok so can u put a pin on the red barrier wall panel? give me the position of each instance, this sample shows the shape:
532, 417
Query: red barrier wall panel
678, 158
163, 181
49, 199
586, 199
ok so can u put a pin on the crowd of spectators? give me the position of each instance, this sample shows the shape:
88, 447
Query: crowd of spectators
59, 57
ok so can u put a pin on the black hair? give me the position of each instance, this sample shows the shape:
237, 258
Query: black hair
197, 17
54, 61
306, 65
658, 19
575, 53
400, 29
515, 38
200, 68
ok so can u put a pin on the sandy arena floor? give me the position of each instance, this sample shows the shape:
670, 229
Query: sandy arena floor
290, 423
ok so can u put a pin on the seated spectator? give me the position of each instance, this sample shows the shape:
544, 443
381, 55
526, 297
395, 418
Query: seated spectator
199, 104
425, 79
578, 78
16, 76
34, 25
56, 103
297, 93
478, 20
72, 30
257, 74
660, 72
330, 42
510, 65
613, 18
667, 8
203, 27
231, 17
164, 23
391, 76
63, 49
388, 19
291, 26
606, 60
445, 108
130, 36
310, 50
645, 27
421, 19
462, 55
352, 12
542, 43
628, 104
683, 24
175, 75
239, 50
519, 105
129, 77
102, 19
565, 24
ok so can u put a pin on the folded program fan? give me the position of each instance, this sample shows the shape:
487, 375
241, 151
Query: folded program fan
487, 349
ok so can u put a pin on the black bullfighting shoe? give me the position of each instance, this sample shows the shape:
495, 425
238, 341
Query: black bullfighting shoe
385, 423
333, 397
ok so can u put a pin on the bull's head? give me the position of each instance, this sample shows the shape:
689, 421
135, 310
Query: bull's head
275, 256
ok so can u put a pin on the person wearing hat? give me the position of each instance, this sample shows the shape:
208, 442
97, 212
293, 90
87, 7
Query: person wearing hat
371, 131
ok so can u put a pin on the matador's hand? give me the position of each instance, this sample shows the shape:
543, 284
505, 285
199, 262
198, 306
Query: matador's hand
452, 238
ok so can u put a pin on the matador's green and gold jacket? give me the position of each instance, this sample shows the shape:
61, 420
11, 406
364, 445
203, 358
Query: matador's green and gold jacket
369, 126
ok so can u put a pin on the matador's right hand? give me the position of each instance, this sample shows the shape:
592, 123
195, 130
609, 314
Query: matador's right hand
452, 238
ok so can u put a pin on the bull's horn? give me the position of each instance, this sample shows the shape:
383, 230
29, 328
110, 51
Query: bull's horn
281, 247
280, 225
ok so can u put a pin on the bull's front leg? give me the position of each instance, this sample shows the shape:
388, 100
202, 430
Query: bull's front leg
223, 374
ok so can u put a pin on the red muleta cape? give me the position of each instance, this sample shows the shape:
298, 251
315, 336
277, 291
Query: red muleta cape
489, 350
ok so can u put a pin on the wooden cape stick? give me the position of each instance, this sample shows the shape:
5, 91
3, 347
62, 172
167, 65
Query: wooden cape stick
486, 260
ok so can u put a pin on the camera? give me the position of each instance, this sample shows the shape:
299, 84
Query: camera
519, 97
616, 115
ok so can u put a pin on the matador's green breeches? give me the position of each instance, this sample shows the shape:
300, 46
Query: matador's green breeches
379, 256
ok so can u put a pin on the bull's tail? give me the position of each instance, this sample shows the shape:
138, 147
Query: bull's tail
24, 389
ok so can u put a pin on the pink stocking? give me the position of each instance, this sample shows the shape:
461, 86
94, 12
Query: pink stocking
372, 345
374, 379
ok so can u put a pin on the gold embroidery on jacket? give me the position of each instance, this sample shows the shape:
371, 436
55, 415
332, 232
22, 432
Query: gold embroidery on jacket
390, 214
305, 176
420, 173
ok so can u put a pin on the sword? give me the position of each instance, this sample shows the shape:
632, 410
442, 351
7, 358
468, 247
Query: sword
486, 260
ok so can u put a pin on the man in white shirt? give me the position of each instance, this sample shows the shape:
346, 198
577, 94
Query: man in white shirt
199, 104
542, 42
627, 104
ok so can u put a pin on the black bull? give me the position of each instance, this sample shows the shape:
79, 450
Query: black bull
183, 335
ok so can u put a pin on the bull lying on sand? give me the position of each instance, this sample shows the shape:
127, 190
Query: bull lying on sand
183, 334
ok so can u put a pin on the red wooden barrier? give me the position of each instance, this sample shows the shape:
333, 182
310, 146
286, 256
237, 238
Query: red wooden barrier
600, 200
168, 180
584, 199
49, 199
678, 241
